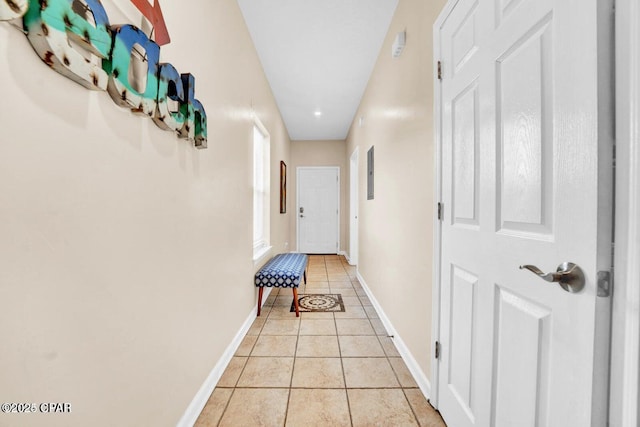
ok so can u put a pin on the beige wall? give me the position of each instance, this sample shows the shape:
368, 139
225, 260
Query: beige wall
396, 228
125, 253
319, 153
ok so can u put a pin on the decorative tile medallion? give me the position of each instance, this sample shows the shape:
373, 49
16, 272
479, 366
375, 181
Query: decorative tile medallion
319, 303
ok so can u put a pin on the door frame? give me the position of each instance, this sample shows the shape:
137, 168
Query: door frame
354, 192
625, 337
437, 223
297, 212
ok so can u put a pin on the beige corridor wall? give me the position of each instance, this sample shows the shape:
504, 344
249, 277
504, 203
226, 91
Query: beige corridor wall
125, 253
396, 227
318, 153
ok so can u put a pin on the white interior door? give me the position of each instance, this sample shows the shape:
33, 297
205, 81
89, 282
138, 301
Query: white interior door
353, 208
318, 209
526, 179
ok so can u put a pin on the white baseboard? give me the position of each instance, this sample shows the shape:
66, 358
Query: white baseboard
202, 396
418, 374
346, 255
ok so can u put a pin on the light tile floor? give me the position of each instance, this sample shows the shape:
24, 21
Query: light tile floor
322, 369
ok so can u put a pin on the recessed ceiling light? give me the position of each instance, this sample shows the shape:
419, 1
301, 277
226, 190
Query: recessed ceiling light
317, 113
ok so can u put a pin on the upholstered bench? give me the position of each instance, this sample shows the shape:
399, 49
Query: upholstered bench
282, 271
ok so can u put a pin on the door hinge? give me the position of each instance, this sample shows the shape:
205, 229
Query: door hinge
604, 283
437, 346
439, 70
439, 211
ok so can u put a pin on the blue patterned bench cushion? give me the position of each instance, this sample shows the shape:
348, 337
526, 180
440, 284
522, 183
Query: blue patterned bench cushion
282, 271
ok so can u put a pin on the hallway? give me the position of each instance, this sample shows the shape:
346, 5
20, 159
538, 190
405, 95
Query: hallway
324, 369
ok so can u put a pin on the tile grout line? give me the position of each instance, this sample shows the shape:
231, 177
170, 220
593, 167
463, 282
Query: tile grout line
293, 368
344, 375
235, 384
402, 388
397, 377
415, 415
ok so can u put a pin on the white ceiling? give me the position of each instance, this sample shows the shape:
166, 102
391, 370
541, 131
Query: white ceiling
318, 56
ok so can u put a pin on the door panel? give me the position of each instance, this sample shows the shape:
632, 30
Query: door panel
465, 157
524, 113
464, 40
462, 303
523, 329
520, 183
318, 196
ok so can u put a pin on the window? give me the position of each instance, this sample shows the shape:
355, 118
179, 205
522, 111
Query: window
261, 193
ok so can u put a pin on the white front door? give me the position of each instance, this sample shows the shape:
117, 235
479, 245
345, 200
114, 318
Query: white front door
318, 209
526, 179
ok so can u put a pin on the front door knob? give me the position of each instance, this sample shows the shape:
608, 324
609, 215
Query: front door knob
568, 275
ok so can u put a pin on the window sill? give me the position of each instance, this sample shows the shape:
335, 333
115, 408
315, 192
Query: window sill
260, 254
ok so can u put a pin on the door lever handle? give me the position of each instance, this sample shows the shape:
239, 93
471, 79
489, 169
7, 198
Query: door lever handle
568, 275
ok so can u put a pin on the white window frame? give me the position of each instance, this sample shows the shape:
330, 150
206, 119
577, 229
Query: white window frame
261, 155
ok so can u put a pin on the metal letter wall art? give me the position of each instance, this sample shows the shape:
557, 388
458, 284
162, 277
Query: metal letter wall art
56, 29
12, 9
75, 38
133, 70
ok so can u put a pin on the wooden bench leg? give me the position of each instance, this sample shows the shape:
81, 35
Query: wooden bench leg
295, 301
260, 298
